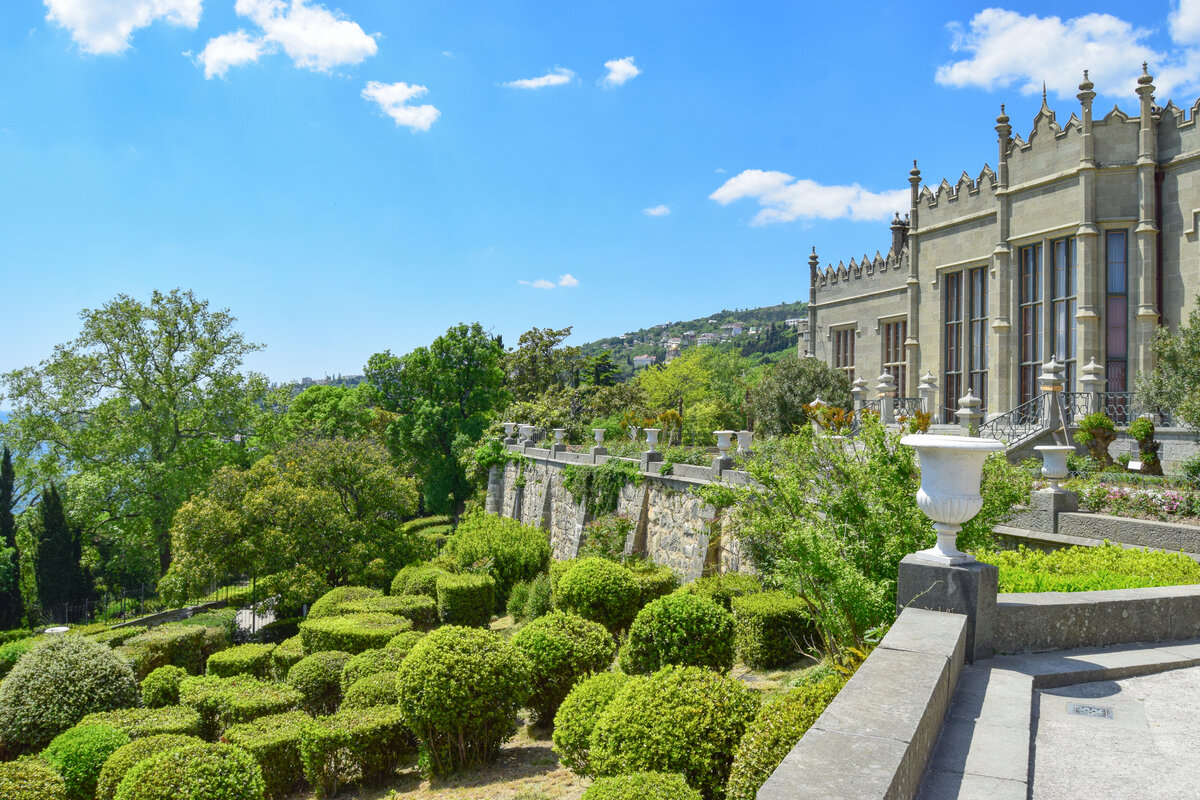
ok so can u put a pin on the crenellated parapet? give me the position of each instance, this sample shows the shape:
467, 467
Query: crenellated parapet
966, 197
866, 268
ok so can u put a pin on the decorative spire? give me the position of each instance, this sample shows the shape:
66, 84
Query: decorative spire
1087, 85
914, 173
1003, 118
1145, 79
1043, 93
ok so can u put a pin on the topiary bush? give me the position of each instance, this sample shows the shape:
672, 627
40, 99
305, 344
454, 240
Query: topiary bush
274, 742
117, 636
684, 629
30, 779
161, 687
222, 702
466, 599
774, 732
186, 646
680, 719
417, 579
355, 744
372, 662
577, 717
404, 641
642, 786
330, 603
351, 634
531, 599
11, 653
285, 655
723, 588
561, 648
56, 684
378, 689
318, 679
195, 772
132, 754
245, 659
600, 590
419, 608
460, 690
512, 551
770, 628
654, 581
139, 722
79, 754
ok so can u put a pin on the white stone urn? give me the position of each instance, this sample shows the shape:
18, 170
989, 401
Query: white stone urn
527, 432
723, 442
558, 435
633, 432
508, 428
652, 438
743, 439
951, 471
598, 435
1054, 463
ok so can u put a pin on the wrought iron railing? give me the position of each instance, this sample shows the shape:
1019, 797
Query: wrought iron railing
1017, 425
907, 406
1076, 405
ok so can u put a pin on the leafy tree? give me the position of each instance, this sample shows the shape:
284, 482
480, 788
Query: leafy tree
1174, 383
444, 396
779, 398
148, 401
12, 609
60, 577
334, 411
538, 363
599, 370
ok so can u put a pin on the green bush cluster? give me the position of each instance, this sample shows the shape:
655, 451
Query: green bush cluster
642, 786
772, 628
724, 588
1084, 569
352, 634
683, 629
116, 637
600, 590
531, 599
161, 687
466, 599
79, 754
369, 691
417, 579
285, 655
195, 772
244, 659
318, 679
577, 717
419, 608
372, 662
141, 722
404, 641
132, 754
654, 580
222, 702
11, 653
58, 683
184, 644
30, 779
330, 604
274, 742
355, 744
511, 551
561, 648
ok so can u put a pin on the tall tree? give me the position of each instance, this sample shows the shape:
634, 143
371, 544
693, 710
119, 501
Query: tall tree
12, 609
539, 363
60, 578
444, 395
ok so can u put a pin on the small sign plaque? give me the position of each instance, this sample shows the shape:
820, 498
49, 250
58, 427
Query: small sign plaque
1085, 710
1135, 466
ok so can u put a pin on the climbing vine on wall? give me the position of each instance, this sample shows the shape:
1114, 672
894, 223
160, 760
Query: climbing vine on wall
599, 487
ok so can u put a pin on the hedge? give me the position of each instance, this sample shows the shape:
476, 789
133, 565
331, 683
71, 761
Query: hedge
351, 634
195, 772
329, 604
404, 641
183, 645
372, 662
30, 779
577, 717
161, 687
118, 636
79, 754
274, 741
372, 690
421, 609
417, 579
141, 722
222, 702
688, 630
11, 653
245, 659
723, 588
318, 680
132, 754
771, 627
366, 744
561, 648
600, 590
285, 655
654, 581
512, 551
466, 599
642, 786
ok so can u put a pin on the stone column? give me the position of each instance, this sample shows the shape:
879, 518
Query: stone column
968, 414
912, 284
810, 349
887, 398
1002, 376
928, 394
858, 391
1089, 269
1092, 382
1146, 231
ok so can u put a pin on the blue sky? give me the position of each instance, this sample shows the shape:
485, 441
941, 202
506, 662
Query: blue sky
358, 175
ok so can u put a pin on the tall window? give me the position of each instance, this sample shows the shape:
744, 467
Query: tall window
894, 334
1116, 311
954, 324
977, 333
1031, 319
1063, 306
843, 350
966, 337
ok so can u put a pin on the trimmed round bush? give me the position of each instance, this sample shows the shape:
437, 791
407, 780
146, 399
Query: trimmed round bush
132, 754
274, 742
244, 659
466, 599
330, 603
184, 645
642, 786
680, 719
318, 679
460, 690
351, 634
373, 690
404, 641
688, 630
723, 588
30, 779
774, 732
514, 552
577, 717
222, 702
55, 685
196, 772
417, 579
770, 629
654, 580
419, 608
161, 687
372, 662
286, 655
139, 722
365, 743
600, 590
79, 754
561, 648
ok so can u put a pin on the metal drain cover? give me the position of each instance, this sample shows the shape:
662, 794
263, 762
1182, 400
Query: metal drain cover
1085, 710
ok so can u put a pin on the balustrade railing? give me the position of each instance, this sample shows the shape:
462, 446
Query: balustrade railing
1018, 424
907, 406
1076, 405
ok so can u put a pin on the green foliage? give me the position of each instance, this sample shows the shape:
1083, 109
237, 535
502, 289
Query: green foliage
55, 685
318, 679
774, 732
30, 779
352, 633
285, 656
561, 648
511, 551
330, 604
460, 689
332, 412
466, 599
194, 772
364, 744
683, 629
417, 579
577, 717
1096, 432
12, 604
117, 636
1189, 469
605, 537
274, 742
222, 702
418, 608
244, 659
142, 722
724, 588
599, 590
779, 398
654, 580
680, 719
404, 641
1142, 429
378, 689
642, 786
183, 645
1085, 569
129, 756
78, 755
60, 577
772, 629
599, 487
11, 653
539, 363
372, 662
1174, 383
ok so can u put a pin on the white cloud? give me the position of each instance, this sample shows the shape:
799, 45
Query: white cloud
230, 50
568, 280
1185, 22
103, 27
620, 70
657, 211
448, 54
393, 99
555, 77
784, 198
719, 171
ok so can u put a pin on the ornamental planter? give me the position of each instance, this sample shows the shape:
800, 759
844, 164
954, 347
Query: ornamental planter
723, 442
951, 471
598, 435
652, 438
1054, 463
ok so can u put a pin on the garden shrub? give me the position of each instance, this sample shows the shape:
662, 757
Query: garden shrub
512, 552
561, 648
378, 689
194, 772
222, 620
1096, 432
404, 641
352, 634
577, 717
654, 580
684, 629
372, 662
518, 596
285, 655
417, 579
280, 630
364, 744
161, 687
330, 603
11, 653
642, 786
419, 608
531, 599
724, 588
556, 571
132, 754
774, 732
56, 684
770, 628
118, 636
186, 646
600, 590
1085, 569
222, 702
274, 742
141, 722
460, 689
318, 680
680, 719
244, 659
466, 599
78, 755
30, 779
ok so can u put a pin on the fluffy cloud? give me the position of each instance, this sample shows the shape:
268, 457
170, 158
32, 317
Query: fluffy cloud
620, 70
657, 211
103, 27
555, 77
229, 50
393, 99
784, 198
1185, 22
567, 280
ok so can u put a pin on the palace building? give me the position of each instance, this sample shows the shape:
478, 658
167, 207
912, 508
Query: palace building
1080, 244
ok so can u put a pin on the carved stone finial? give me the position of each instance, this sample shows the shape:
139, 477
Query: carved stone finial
1085, 74
1043, 93
1145, 79
914, 173
1002, 108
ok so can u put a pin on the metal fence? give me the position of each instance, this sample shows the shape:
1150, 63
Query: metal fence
132, 603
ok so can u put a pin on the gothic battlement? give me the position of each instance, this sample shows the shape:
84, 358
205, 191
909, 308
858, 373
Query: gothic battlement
863, 269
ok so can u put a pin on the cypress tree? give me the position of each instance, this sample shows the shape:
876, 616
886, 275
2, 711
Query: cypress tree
12, 608
60, 578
